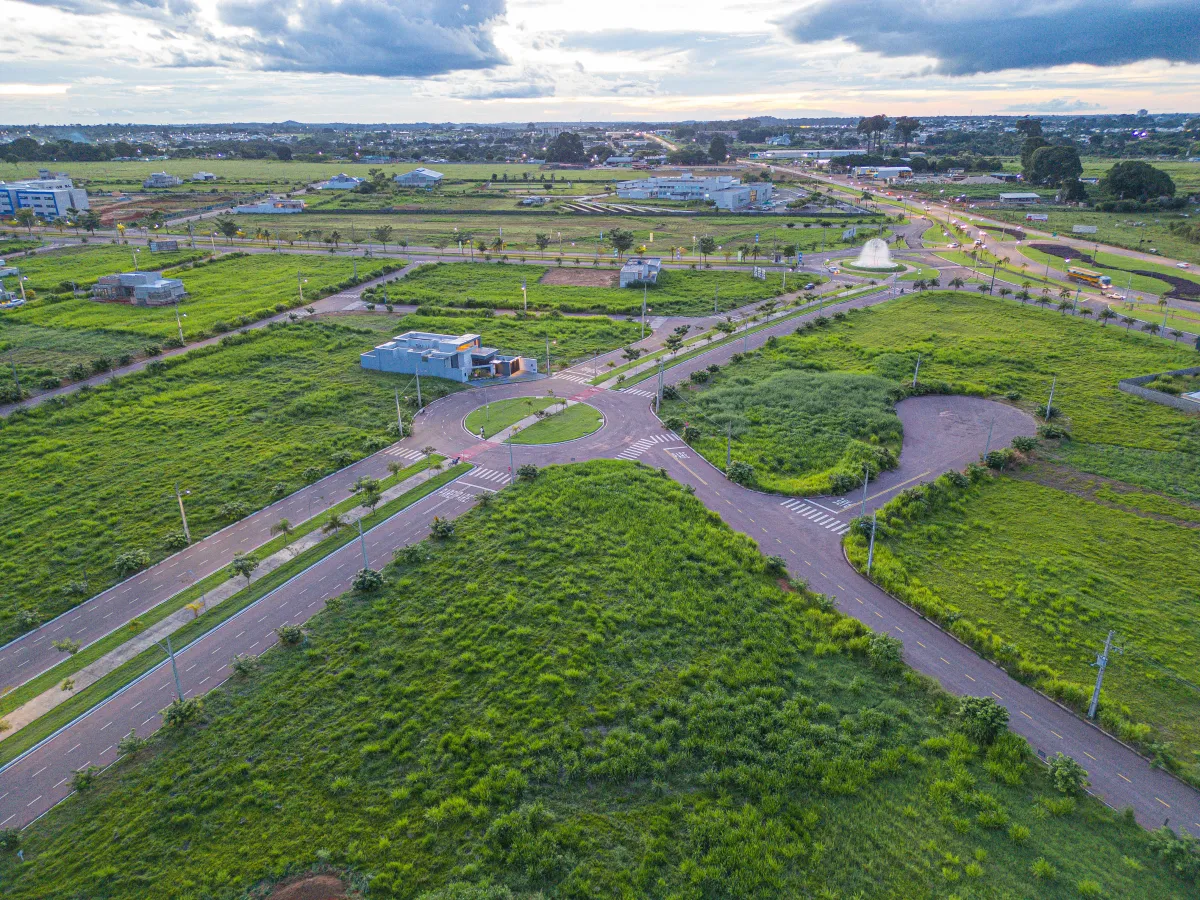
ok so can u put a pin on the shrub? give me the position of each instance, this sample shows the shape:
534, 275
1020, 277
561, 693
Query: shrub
981, 718
999, 459
183, 712
66, 645
1069, 777
10, 838
176, 540
885, 652
290, 635
131, 744
367, 581
234, 510
84, 780
342, 458
1018, 833
776, 565
670, 392
700, 376
101, 364
527, 472
440, 528
1042, 870
131, 561
1050, 431
78, 372
410, 555
1089, 888
1180, 852
1051, 412
153, 350
244, 664
1024, 443
740, 472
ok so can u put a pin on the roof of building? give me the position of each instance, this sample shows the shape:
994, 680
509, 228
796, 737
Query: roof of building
1021, 195
421, 172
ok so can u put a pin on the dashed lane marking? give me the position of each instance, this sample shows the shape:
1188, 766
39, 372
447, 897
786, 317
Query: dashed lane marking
1164, 803
1026, 715
943, 659
1123, 778
1056, 734
1089, 756
969, 677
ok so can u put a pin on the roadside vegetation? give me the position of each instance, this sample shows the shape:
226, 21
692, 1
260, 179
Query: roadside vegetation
631, 704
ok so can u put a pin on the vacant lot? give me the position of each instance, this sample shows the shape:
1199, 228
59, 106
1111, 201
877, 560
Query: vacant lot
1049, 574
248, 421
53, 272
593, 689
678, 292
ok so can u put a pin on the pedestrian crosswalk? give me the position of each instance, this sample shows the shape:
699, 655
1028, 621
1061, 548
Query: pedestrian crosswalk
815, 514
638, 392
404, 453
571, 376
487, 475
638, 447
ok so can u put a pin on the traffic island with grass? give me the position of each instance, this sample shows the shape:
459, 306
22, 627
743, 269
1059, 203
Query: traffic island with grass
575, 421
556, 420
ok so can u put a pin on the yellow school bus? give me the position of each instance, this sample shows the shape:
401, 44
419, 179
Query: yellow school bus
1087, 276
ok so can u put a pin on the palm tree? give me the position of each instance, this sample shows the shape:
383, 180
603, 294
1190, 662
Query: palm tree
1063, 306
1176, 334
1085, 311
1127, 321
228, 227
956, 282
335, 522
1042, 301
1023, 295
334, 237
1106, 314
1004, 292
919, 284
1064, 293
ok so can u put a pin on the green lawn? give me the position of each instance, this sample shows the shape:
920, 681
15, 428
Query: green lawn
249, 420
222, 294
575, 337
576, 421
593, 689
1045, 574
52, 272
799, 429
44, 355
1118, 268
495, 417
678, 292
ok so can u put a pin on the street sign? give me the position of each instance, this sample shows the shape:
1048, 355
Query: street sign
756, 238
799, 258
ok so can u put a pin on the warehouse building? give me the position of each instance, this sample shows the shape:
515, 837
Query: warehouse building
456, 357
419, 177
49, 195
138, 289
724, 191
162, 180
341, 182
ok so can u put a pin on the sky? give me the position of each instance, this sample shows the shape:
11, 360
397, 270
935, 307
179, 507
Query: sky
180, 61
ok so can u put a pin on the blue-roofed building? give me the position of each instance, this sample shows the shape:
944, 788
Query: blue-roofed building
456, 357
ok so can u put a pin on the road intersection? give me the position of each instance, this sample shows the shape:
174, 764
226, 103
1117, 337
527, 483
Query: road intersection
941, 432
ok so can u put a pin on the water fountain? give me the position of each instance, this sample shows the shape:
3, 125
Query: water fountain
875, 255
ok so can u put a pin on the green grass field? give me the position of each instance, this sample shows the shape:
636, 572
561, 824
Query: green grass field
1118, 268
249, 420
798, 429
604, 695
1045, 574
574, 338
572, 423
495, 417
53, 271
678, 292
44, 355
1118, 229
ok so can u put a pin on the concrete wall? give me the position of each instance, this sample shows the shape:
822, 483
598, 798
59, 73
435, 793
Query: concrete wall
1134, 386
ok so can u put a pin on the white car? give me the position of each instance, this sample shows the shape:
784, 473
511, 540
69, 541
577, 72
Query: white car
1181, 265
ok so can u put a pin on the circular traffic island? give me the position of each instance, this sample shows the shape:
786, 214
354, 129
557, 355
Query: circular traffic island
534, 420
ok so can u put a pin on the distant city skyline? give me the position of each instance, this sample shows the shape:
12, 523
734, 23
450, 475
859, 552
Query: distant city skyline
176, 61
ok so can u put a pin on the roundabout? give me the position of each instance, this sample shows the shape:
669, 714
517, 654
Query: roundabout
534, 420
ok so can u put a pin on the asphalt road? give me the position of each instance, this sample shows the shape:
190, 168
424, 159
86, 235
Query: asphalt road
941, 432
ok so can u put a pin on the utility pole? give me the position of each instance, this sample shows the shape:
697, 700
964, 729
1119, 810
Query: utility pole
174, 668
399, 418
643, 312
420, 402
182, 514
993, 284
512, 466
659, 395
716, 291
300, 284
524, 297
916, 370
1101, 663
871, 548
178, 322
363, 542
1050, 402
866, 481
728, 445
549, 374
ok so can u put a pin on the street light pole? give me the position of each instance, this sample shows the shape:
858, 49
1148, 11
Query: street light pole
174, 668
871, 548
1101, 663
866, 481
399, 418
182, 514
420, 402
363, 542
1050, 402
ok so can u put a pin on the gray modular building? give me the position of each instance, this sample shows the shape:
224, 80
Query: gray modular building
456, 357
139, 289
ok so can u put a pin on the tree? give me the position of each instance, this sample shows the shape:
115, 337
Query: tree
621, 240
1136, 180
872, 126
369, 493
1069, 777
1106, 314
673, 343
383, 234
283, 526
1072, 191
542, 241
906, 125
707, 246
1054, 165
631, 353
717, 151
1029, 127
90, 221
1032, 145
982, 718
334, 523
25, 218
243, 564
566, 148
227, 227
956, 282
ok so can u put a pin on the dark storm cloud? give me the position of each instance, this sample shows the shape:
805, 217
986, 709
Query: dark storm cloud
988, 36
388, 38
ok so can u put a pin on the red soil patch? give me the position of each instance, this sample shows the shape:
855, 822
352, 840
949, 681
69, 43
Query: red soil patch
580, 277
314, 887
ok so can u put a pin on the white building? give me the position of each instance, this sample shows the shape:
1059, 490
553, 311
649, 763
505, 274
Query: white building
138, 289
1020, 197
49, 195
162, 180
725, 191
419, 177
204, 176
274, 206
781, 140
342, 182
639, 270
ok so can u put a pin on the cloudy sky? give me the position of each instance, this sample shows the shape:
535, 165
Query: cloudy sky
152, 61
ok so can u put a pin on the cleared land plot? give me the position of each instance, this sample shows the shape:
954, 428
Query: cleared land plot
678, 292
244, 422
1049, 573
53, 272
594, 689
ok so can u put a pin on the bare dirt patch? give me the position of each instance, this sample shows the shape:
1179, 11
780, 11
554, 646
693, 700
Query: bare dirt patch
313, 887
580, 277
